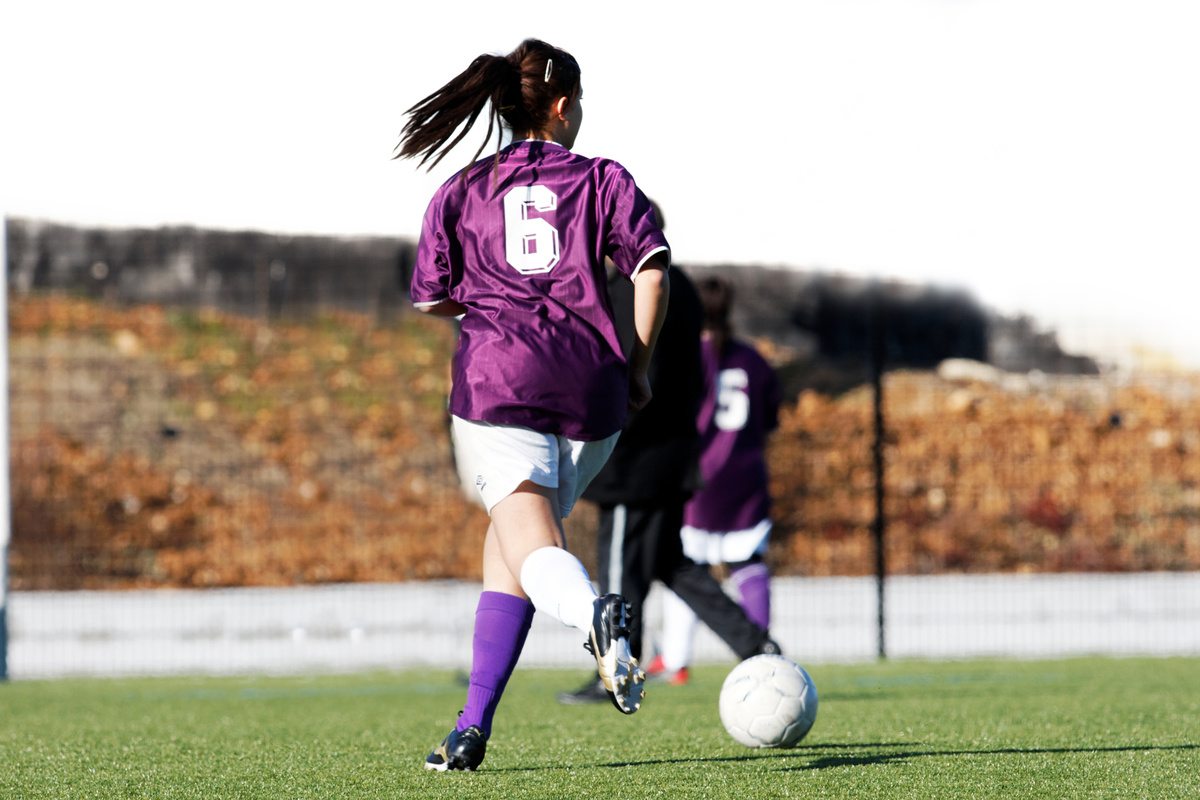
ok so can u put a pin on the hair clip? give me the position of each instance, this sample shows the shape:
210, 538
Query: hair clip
506, 108
549, 67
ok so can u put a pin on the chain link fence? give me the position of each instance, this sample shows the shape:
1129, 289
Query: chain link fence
257, 444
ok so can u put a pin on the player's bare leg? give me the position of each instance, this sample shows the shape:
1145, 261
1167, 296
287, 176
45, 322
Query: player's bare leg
525, 521
497, 577
527, 544
502, 621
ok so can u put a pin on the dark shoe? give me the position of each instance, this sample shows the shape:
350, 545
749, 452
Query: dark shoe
461, 750
609, 643
771, 648
591, 692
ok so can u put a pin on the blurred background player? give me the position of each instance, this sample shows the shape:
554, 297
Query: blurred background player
515, 247
653, 470
728, 520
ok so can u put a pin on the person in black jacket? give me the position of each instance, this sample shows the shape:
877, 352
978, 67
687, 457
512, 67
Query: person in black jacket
642, 489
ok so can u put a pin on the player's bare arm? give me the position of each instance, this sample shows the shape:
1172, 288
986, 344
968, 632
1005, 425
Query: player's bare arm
651, 289
446, 308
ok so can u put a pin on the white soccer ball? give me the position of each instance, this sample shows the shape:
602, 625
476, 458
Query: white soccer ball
768, 701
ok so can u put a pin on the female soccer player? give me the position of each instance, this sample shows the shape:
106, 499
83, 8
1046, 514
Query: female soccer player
515, 245
728, 520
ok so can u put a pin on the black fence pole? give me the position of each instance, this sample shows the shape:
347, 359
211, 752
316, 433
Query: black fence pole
877, 325
5, 475
3, 641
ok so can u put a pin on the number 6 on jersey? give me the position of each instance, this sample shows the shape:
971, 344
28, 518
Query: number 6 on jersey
530, 243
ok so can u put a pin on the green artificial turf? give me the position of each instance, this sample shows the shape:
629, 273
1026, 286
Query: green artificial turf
1029, 729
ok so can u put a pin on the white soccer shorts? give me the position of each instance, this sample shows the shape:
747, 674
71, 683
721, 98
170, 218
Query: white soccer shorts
495, 459
727, 547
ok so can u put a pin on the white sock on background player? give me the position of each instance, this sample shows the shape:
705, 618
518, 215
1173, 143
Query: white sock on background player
558, 584
679, 628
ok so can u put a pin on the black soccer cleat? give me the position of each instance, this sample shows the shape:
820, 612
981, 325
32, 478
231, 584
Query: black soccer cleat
591, 692
609, 643
460, 750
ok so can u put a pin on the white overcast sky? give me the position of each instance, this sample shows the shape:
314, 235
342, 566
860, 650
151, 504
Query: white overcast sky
1042, 154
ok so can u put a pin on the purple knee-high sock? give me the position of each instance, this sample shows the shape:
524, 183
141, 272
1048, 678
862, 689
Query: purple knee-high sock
501, 624
753, 582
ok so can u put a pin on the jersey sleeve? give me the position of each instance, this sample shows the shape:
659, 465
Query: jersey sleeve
438, 265
634, 234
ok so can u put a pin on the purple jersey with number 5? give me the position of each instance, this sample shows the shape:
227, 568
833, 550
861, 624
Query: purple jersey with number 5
523, 250
740, 408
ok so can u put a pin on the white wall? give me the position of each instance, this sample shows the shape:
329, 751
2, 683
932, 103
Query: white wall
391, 626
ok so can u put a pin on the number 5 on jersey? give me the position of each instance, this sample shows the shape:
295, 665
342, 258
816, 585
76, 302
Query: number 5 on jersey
733, 403
530, 243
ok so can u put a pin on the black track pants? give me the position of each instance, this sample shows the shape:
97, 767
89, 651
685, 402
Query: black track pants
639, 544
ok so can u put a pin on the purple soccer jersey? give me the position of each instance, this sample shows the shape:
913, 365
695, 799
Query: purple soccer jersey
524, 251
740, 408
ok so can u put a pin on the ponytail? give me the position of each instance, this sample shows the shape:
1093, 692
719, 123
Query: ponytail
519, 87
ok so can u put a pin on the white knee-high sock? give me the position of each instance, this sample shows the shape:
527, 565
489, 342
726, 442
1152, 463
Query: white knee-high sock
679, 627
557, 584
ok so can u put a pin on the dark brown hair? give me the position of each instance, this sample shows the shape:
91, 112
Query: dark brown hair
716, 297
520, 88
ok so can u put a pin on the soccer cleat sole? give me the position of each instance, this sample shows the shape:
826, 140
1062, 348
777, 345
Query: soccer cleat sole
619, 672
627, 687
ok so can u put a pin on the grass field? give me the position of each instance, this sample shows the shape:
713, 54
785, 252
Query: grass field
1052, 729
